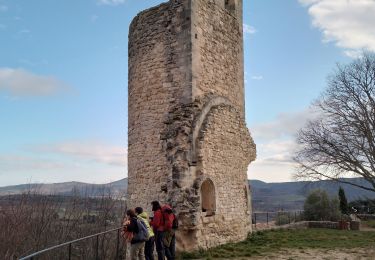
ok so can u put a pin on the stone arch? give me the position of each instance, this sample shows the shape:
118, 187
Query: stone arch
213, 102
208, 197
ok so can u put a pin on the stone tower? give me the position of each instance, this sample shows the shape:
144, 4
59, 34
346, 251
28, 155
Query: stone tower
188, 142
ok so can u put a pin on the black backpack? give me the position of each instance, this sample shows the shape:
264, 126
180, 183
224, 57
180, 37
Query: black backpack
175, 222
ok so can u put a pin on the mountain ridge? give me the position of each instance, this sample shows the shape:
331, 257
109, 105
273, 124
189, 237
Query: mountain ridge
265, 196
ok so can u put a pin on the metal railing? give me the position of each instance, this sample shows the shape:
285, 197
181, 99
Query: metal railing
278, 217
69, 246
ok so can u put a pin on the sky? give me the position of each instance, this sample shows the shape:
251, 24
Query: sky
63, 81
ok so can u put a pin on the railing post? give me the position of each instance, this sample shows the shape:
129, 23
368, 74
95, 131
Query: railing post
255, 218
97, 247
118, 244
277, 217
267, 218
70, 251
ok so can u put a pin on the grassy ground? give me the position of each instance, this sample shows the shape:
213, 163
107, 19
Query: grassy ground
369, 223
272, 241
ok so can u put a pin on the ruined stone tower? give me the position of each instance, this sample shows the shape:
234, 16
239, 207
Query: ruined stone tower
188, 142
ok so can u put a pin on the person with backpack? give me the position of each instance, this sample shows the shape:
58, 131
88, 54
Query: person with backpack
170, 225
149, 245
140, 235
157, 224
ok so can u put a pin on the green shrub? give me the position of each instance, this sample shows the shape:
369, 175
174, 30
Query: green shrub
283, 219
344, 207
319, 207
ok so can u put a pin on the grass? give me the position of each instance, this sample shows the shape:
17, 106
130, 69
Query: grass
370, 223
272, 241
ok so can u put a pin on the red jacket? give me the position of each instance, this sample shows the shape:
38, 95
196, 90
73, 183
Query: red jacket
157, 222
168, 221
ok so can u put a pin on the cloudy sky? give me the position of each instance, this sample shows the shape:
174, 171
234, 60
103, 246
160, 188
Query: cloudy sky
63, 81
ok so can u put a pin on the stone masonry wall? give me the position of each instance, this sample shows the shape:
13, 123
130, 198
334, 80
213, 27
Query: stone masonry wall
218, 51
159, 78
226, 150
186, 118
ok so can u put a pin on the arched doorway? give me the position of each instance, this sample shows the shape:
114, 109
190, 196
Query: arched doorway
208, 197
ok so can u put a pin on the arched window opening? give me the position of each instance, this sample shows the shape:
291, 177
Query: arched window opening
230, 5
208, 198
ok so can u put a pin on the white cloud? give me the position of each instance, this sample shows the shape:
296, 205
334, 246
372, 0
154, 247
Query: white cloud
249, 29
347, 23
257, 77
111, 2
276, 151
39, 168
88, 161
353, 53
276, 145
274, 161
284, 125
19, 82
16, 163
88, 151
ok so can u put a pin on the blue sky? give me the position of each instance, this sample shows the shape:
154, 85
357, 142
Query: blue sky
63, 81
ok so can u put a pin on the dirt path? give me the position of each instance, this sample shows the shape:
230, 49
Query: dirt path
320, 254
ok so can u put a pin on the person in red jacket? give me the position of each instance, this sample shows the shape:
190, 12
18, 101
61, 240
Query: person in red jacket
169, 232
157, 223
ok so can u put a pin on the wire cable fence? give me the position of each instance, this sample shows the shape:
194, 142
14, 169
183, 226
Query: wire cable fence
277, 218
103, 245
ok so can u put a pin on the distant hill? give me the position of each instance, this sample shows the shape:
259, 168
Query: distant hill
266, 196
291, 195
117, 188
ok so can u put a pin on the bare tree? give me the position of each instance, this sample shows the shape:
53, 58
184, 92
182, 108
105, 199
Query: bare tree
341, 142
33, 221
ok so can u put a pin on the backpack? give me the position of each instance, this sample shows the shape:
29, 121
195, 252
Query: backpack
142, 234
175, 222
170, 219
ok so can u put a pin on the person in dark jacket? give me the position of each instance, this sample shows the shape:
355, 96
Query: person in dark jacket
157, 224
137, 248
